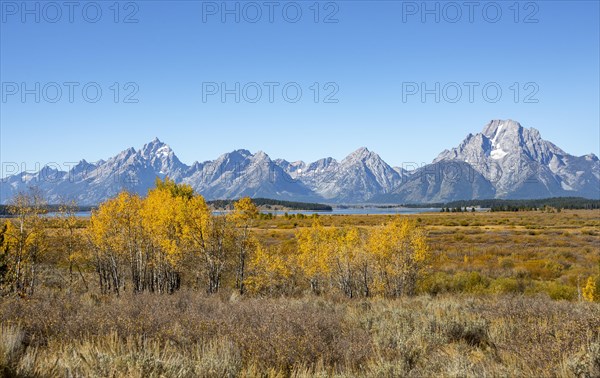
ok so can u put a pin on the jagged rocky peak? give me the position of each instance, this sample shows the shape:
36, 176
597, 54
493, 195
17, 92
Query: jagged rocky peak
156, 148
261, 156
242, 152
296, 165
362, 153
323, 164
503, 137
521, 164
499, 140
235, 156
83, 167
510, 137
84, 164
495, 127
504, 160
123, 156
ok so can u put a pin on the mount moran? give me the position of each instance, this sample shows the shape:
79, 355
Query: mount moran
505, 160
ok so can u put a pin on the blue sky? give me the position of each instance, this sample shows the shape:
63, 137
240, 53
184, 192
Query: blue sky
167, 61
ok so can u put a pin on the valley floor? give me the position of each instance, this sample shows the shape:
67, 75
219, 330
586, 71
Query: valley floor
500, 298
190, 335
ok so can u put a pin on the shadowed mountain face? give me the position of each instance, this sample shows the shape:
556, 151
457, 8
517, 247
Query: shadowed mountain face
520, 164
359, 177
505, 160
443, 181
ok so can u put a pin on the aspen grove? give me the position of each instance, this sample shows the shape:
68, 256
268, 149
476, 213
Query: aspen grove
151, 243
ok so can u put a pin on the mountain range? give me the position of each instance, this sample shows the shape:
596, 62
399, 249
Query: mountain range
505, 160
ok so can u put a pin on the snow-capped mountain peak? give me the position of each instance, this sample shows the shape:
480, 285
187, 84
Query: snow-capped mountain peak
520, 164
362, 153
505, 160
156, 148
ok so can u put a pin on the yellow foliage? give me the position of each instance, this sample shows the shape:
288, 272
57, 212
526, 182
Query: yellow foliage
244, 211
152, 235
269, 269
389, 262
115, 224
314, 252
400, 251
25, 241
161, 219
590, 291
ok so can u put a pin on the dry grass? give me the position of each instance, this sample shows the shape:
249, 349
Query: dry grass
486, 309
188, 334
511, 252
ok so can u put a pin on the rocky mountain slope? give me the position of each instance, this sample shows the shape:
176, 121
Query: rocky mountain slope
505, 160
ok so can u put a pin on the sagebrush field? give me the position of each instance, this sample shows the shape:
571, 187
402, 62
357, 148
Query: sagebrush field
135, 291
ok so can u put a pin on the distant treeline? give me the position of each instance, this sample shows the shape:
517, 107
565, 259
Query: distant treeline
510, 205
268, 203
525, 205
493, 204
218, 204
49, 209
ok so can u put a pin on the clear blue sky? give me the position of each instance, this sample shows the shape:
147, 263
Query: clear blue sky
373, 49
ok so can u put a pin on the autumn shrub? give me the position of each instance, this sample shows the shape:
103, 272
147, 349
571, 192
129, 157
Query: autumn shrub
436, 283
469, 282
11, 349
190, 333
460, 282
585, 363
558, 291
506, 285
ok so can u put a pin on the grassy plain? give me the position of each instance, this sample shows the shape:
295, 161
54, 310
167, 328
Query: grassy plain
483, 252
500, 298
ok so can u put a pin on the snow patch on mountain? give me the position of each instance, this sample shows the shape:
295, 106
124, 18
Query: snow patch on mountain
520, 164
505, 160
497, 152
163, 151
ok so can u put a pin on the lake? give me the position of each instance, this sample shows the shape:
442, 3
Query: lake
335, 211
359, 211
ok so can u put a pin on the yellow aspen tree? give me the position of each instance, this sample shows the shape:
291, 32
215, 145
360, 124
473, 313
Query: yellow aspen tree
379, 247
243, 216
400, 251
26, 240
71, 237
4, 257
117, 238
216, 252
363, 261
347, 244
314, 254
161, 222
590, 290
195, 222
269, 271
209, 238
